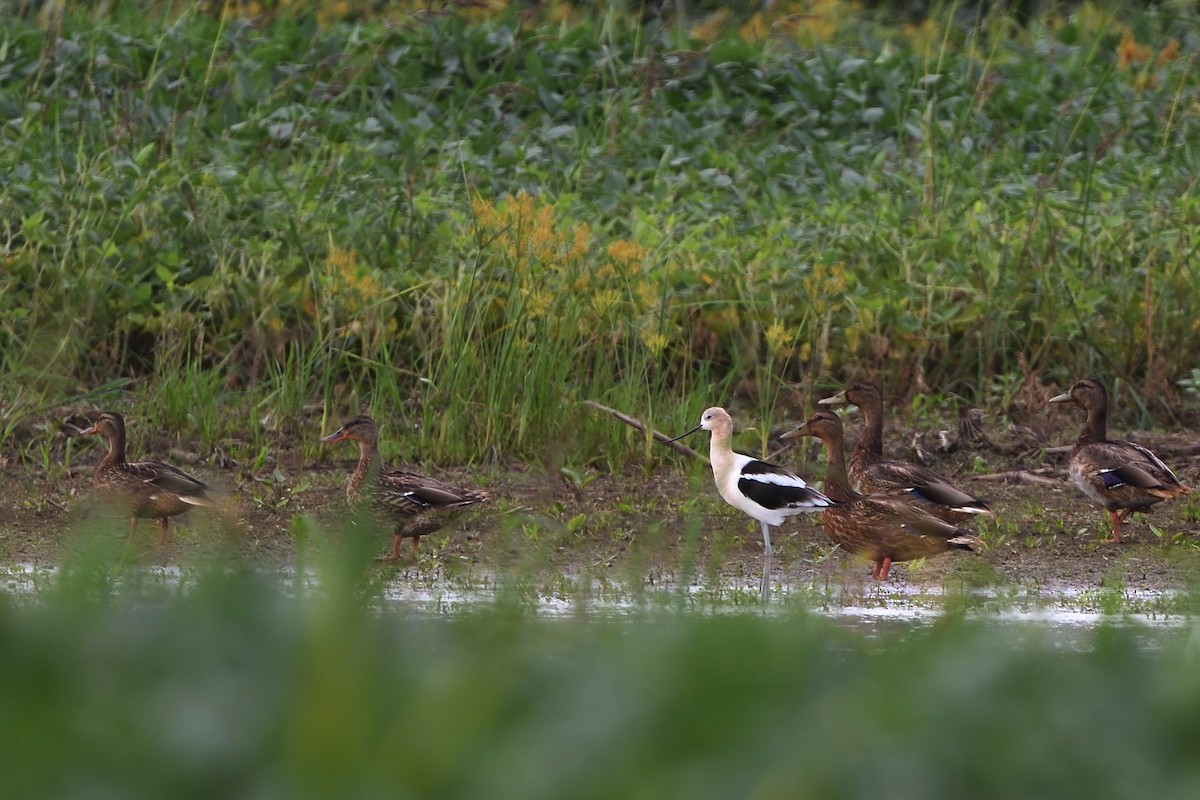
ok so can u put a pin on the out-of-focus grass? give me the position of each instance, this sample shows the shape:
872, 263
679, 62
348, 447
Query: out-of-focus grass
236, 686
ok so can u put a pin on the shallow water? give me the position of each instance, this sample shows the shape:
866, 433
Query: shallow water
1066, 617
1066, 620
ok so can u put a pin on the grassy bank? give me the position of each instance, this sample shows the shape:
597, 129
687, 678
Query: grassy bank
467, 226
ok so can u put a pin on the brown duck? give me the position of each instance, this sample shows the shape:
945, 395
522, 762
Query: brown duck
871, 473
1120, 476
882, 528
411, 505
149, 489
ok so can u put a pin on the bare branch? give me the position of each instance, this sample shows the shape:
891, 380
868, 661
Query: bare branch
641, 426
1055, 478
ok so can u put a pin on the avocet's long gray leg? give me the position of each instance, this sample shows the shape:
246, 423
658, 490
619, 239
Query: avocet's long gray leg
766, 580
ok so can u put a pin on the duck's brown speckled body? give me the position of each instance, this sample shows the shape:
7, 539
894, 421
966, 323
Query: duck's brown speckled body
871, 473
412, 505
148, 489
1122, 477
882, 528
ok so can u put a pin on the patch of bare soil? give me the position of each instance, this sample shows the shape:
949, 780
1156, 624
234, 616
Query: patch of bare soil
654, 527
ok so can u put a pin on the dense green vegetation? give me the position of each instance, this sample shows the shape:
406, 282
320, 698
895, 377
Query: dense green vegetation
118, 685
469, 225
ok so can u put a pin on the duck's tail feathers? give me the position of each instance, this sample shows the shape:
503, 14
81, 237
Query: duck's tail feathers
1167, 492
966, 541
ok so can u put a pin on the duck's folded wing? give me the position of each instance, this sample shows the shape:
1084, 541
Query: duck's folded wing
950, 496
1164, 472
168, 478
886, 512
1126, 463
925, 484
423, 491
1129, 475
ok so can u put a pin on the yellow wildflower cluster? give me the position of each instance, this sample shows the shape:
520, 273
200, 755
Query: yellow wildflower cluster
779, 338
545, 258
552, 272
352, 285
538, 303
581, 240
825, 285
605, 300
711, 27
526, 233
816, 21
756, 28
647, 296
1129, 52
560, 12
654, 340
1169, 53
325, 11
1131, 55
626, 252
809, 22
329, 13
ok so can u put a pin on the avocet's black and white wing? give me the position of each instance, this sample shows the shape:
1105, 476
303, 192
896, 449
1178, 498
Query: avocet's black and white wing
774, 487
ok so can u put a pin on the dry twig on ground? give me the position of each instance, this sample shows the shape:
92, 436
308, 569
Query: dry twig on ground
641, 426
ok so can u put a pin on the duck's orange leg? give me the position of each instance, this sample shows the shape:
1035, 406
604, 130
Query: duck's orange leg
162, 536
1116, 527
395, 556
882, 567
396, 539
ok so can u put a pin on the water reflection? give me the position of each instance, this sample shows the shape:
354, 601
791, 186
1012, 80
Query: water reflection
1066, 617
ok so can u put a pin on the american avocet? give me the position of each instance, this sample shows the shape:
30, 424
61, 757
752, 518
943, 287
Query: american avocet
148, 489
411, 505
871, 473
1121, 476
767, 492
882, 528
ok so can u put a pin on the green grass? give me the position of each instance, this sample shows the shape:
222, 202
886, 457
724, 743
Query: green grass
467, 227
118, 683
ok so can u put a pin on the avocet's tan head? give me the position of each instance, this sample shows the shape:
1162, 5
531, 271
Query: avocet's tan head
715, 419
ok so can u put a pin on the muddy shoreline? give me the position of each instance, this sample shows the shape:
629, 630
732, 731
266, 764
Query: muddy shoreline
643, 530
